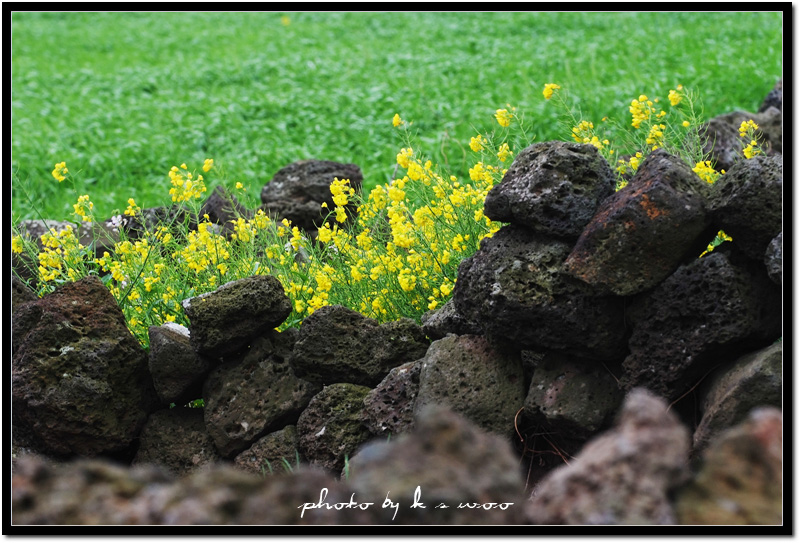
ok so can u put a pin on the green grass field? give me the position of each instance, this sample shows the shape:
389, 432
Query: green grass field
122, 97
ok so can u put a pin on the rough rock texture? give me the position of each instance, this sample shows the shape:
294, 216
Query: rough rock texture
475, 379
330, 428
389, 407
249, 398
747, 203
708, 307
623, 476
298, 190
575, 396
20, 293
446, 320
773, 259
453, 462
222, 207
337, 344
177, 370
223, 321
643, 232
176, 439
774, 98
79, 378
271, 454
516, 290
741, 481
553, 188
725, 145
754, 380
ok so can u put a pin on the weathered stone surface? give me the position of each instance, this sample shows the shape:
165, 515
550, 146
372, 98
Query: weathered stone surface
475, 379
389, 407
553, 188
270, 454
741, 480
774, 98
725, 145
79, 378
222, 207
176, 439
643, 232
100, 493
575, 396
20, 293
249, 398
298, 190
773, 259
177, 370
453, 462
337, 344
515, 288
747, 203
623, 476
330, 428
753, 380
446, 320
707, 308
223, 321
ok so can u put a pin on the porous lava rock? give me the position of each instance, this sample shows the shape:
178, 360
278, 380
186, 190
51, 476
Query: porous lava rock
446, 320
574, 396
330, 428
337, 344
20, 293
297, 191
225, 320
642, 233
389, 407
741, 478
774, 98
474, 378
754, 380
516, 289
273, 454
79, 378
176, 368
747, 203
553, 188
459, 473
176, 439
724, 145
248, 398
623, 476
714, 305
773, 259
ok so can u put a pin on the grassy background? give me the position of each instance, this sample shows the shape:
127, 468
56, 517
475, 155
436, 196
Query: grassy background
122, 97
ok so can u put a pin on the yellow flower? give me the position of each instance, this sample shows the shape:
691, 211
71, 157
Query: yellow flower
548, 90
476, 143
285, 21
396, 120
747, 125
504, 152
60, 170
16, 244
686, 124
503, 117
239, 186
674, 97
706, 172
207, 165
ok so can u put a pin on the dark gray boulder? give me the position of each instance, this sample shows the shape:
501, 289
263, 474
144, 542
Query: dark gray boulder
337, 344
297, 191
178, 372
225, 320
79, 378
773, 259
515, 288
713, 306
643, 232
475, 379
446, 320
747, 203
249, 398
176, 439
553, 188
330, 429
274, 454
389, 407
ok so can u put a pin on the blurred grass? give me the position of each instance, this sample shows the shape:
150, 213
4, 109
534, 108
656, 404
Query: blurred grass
122, 97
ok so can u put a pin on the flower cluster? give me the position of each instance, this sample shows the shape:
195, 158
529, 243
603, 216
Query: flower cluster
747, 130
184, 184
60, 171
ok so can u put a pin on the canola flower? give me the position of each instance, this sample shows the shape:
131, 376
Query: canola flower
60, 171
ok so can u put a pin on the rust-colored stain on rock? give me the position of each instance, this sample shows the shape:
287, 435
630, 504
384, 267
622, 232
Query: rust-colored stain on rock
652, 209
